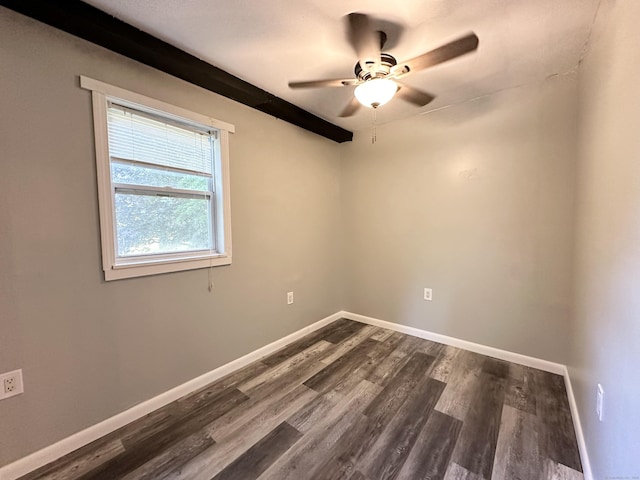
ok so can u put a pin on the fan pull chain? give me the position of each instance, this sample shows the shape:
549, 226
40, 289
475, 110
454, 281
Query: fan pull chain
374, 135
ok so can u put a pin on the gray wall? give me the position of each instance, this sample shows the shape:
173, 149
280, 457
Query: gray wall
476, 202
90, 349
606, 329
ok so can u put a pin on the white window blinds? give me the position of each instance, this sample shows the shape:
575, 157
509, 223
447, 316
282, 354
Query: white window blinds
140, 137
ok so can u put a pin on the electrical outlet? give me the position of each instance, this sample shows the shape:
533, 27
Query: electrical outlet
289, 298
428, 294
11, 383
600, 402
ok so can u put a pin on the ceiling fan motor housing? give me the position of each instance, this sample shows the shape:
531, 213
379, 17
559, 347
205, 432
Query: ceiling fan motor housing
387, 62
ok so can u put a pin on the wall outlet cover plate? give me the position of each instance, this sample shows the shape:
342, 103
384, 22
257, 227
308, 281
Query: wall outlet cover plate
11, 384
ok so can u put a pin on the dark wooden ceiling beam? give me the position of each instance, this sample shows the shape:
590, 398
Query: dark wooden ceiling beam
87, 22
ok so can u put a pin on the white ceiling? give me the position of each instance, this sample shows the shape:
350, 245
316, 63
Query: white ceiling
271, 42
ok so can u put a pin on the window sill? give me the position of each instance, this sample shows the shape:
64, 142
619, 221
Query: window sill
156, 267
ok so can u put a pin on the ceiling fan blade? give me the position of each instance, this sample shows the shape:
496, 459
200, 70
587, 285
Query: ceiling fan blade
413, 95
364, 39
339, 82
444, 53
351, 108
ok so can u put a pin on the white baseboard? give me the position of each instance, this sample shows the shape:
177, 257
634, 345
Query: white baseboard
456, 342
67, 445
496, 353
577, 426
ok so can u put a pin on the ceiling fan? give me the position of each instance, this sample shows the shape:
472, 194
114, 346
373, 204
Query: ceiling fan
378, 74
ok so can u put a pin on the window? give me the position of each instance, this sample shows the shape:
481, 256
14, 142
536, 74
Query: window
163, 185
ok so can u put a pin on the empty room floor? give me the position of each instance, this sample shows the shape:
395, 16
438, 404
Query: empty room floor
350, 401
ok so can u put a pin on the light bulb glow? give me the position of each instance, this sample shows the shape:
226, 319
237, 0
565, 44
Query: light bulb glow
376, 92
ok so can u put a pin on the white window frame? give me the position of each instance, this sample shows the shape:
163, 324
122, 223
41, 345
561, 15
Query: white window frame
115, 269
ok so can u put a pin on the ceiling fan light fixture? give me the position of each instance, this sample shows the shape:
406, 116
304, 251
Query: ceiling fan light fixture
376, 92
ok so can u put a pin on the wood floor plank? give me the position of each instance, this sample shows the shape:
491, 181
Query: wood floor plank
333, 373
520, 392
356, 339
200, 396
445, 362
138, 453
382, 373
408, 344
315, 411
555, 471
255, 406
382, 334
260, 456
556, 433
356, 475
213, 460
456, 472
80, 464
309, 452
431, 454
395, 393
477, 442
381, 351
394, 340
388, 454
346, 330
517, 455
338, 462
187, 406
496, 367
432, 348
461, 385
516, 372
282, 369
304, 342
375, 356
341, 460
171, 458
180, 411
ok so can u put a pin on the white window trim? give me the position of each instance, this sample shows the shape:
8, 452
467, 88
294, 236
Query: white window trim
101, 94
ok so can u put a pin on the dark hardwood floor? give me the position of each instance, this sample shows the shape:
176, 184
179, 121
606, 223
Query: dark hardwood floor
355, 402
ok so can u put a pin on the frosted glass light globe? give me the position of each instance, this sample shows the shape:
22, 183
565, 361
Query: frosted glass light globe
376, 92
